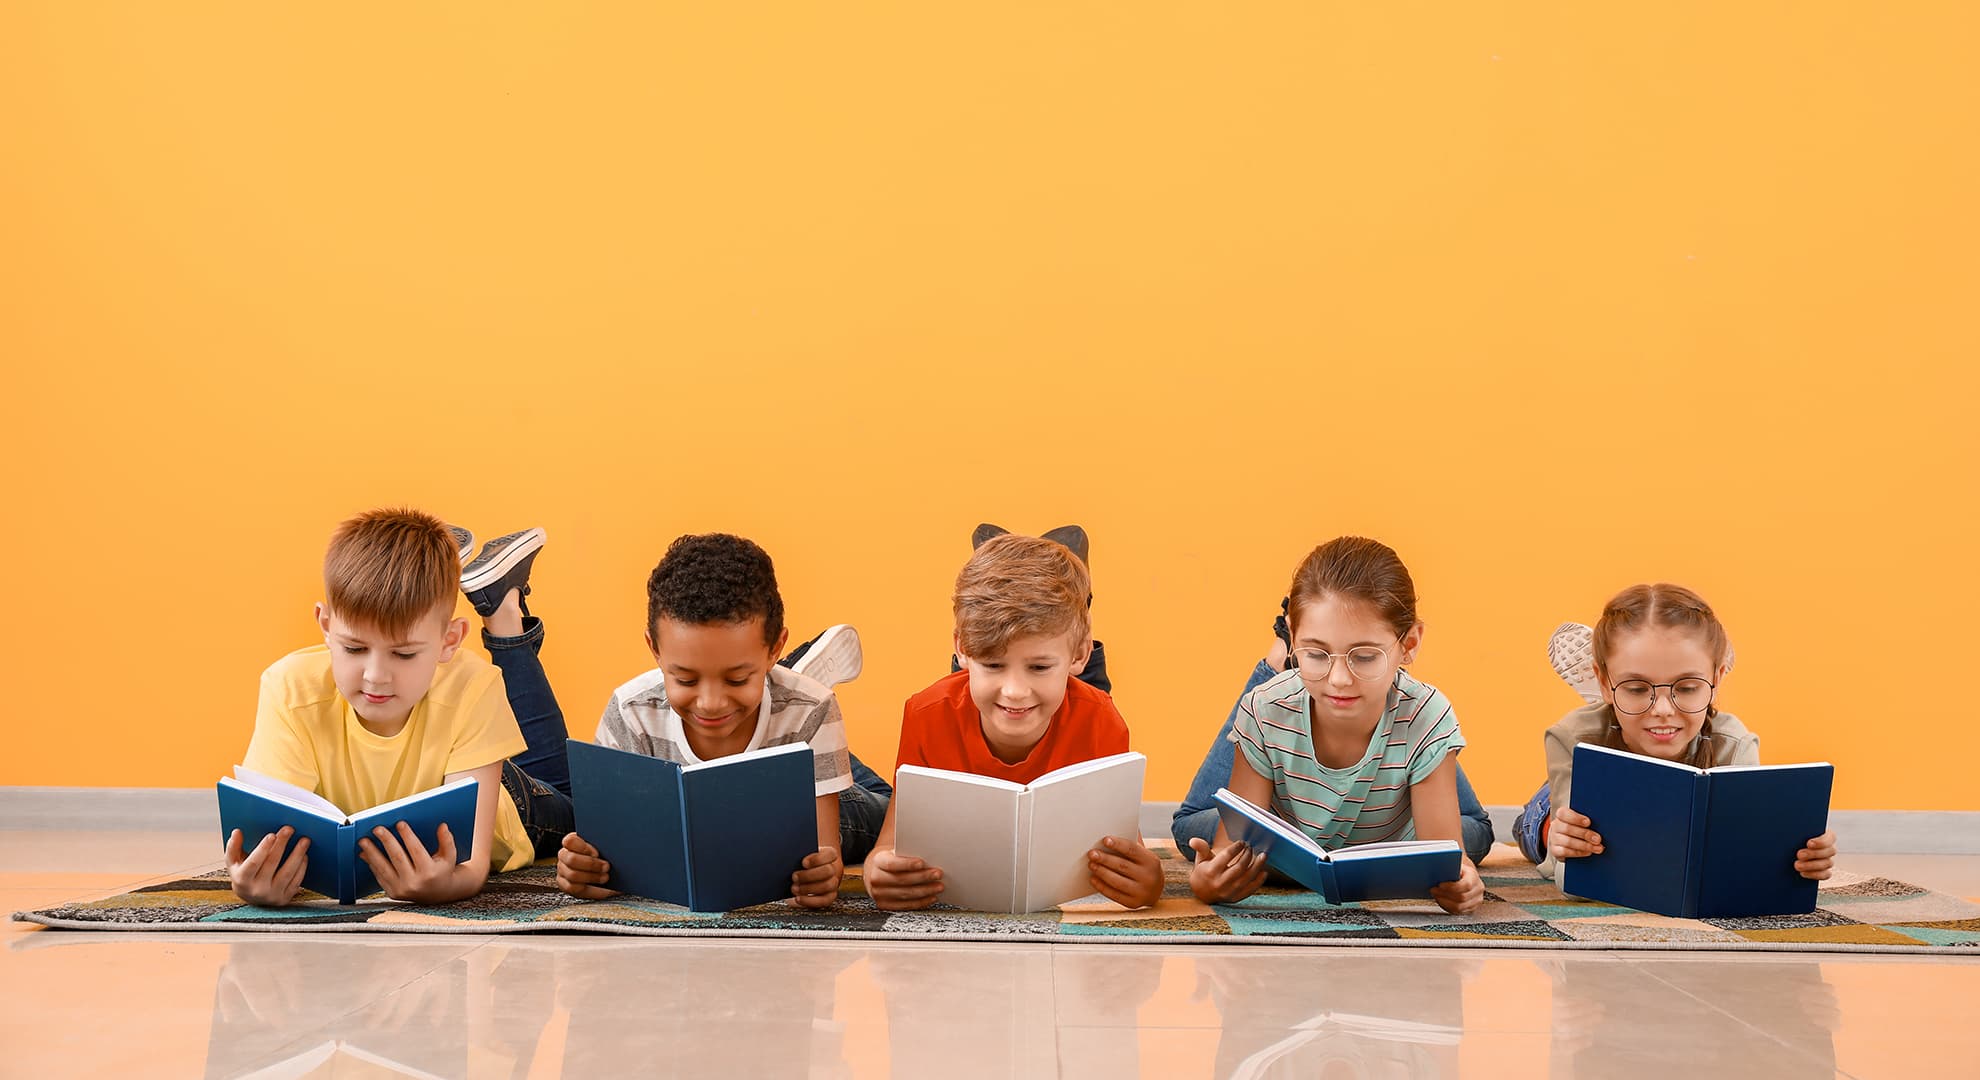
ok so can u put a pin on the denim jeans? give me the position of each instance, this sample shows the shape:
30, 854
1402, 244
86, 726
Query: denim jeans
538, 780
1197, 816
1528, 827
1094, 674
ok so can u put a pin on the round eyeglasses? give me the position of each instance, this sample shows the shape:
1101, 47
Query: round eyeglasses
1637, 696
1365, 662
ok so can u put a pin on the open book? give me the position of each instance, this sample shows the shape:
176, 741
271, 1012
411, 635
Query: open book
1397, 870
1695, 843
1016, 847
716, 836
258, 805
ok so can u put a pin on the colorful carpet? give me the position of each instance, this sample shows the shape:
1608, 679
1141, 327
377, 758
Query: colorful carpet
1521, 910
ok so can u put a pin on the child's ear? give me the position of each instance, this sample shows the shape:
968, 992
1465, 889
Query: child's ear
777, 647
450, 641
652, 647
955, 644
322, 617
1080, 658
1411, 642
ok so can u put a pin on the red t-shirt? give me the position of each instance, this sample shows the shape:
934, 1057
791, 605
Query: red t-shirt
940, 729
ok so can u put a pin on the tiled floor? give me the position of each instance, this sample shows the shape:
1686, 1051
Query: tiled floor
225, 1005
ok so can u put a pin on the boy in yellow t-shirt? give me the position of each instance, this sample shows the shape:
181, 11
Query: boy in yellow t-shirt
390, 705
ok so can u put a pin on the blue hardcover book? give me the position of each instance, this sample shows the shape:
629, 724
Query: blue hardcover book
1694, 843
258, 805
717, 836
1397, 870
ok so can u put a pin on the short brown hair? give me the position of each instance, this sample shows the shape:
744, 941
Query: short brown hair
1020, 586
1355, 567
391, 568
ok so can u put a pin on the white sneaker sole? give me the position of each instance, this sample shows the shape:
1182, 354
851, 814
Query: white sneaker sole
834, 658
518, 548
1572, 652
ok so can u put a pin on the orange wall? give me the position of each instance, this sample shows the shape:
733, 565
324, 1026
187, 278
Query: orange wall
1552, 298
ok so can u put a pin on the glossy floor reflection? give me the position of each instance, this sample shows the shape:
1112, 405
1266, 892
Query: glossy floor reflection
273, 1005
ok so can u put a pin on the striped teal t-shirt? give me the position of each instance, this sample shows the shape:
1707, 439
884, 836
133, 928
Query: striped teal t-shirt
1367, 802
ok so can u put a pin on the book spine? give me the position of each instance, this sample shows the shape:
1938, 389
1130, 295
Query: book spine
1694, 850
347, 863
1021, 858
687, 842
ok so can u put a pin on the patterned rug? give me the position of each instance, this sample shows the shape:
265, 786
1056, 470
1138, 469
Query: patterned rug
1521, 910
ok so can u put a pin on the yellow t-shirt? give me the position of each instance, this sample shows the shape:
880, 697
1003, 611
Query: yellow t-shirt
307, 734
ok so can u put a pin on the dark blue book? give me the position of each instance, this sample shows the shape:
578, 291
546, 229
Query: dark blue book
1695, 843
258, 805
1396, 870
717, 836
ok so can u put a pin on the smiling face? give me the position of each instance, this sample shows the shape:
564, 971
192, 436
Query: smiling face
1018, 691
716, 674
1660, 655
1339, 625
384, 675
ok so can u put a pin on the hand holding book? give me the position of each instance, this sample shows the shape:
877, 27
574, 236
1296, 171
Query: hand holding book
263, 876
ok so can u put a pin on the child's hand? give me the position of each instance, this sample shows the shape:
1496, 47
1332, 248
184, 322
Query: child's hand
1226, 876
406, 871
898, 882
1126, 872
816, 884
257, 877
580, 872
1813, 862
1569, 837
1461, 897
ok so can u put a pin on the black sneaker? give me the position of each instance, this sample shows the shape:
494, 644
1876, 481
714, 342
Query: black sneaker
1071, 536
502, 565
1282, 629
463, 540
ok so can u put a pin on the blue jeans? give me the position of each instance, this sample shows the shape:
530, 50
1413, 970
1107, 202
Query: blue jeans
1197, 816
538, 780
1527, 828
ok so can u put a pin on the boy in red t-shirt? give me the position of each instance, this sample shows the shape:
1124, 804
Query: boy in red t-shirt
1014, 711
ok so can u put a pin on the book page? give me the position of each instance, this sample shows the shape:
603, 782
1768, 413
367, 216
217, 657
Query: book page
1069, 816
967, 826
1081, 768
386, 808
1279, 826
282, 789
1391, 847
1638, 757
750, 755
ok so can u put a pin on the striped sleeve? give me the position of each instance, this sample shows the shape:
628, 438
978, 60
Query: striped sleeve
1248, 737
831, 759
1433, 735
615, 732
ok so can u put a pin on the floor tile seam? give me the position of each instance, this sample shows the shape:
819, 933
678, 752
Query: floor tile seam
1742, 1021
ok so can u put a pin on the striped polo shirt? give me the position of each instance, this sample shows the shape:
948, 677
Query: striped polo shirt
1364, 803
796, 708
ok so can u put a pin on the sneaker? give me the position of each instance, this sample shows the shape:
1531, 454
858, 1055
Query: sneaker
463, 540
1072, 536
985, 533
833, 658
502, 565
1572, 652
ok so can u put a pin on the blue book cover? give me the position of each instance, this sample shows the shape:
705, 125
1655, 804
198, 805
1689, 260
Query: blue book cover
1696, 843
1399, 870
717, 836
259, 805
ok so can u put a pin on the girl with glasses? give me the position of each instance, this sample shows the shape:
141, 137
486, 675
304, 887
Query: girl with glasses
1346, 746
1660, 656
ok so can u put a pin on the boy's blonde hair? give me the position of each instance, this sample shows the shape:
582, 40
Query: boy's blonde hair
391, 568
1020, 586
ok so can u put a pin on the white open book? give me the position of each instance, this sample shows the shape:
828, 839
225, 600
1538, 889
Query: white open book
1016, 847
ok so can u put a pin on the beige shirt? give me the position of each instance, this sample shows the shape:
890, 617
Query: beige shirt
1723, 741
